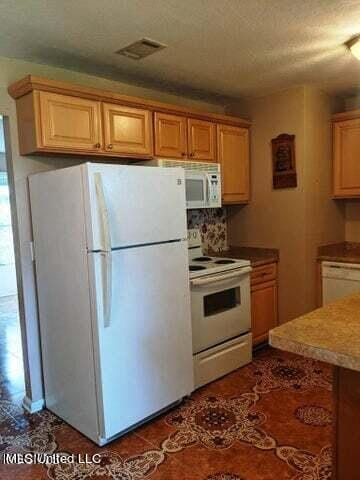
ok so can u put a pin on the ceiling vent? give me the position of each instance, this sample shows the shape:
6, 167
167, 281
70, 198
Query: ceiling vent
141, 49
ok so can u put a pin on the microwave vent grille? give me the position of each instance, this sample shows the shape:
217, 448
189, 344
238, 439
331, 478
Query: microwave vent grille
198, 166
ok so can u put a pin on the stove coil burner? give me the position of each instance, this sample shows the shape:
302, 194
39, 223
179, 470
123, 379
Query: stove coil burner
194, 268
224, 261
202, 259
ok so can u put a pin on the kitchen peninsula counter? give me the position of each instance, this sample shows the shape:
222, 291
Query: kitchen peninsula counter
332, 334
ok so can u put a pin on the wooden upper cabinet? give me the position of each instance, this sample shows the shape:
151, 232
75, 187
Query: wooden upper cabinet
233, 155
67, 123
170, 135
127, 130
347, 158
179, 137
58, 117
201, 140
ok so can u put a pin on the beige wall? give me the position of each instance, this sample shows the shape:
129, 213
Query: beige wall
352, 226
325, 217
275, 218
351, 103
19, 169
294, 220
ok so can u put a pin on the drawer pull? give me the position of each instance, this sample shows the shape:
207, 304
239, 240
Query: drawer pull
263, 274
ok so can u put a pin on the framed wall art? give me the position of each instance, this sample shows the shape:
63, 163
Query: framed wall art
283, 161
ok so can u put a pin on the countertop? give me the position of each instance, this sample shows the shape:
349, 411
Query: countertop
340, 252
330, 334
257, 256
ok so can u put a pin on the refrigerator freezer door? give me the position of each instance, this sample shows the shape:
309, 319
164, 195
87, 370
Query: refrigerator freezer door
144, 353
139, 205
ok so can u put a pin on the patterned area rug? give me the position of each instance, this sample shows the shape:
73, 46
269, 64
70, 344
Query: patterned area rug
269, 420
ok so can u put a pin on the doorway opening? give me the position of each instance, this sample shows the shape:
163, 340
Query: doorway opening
11, 362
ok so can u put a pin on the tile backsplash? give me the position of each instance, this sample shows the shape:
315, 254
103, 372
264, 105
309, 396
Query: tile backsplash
212, 225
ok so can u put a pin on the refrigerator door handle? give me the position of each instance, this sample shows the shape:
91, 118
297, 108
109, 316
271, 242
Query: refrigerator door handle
103, 212
105, 250
106, 273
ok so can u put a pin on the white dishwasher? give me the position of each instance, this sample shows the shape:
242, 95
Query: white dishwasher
339, 280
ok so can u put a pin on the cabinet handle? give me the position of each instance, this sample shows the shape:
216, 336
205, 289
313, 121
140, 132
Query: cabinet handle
183, 154
110, 146
97, 145
191, 154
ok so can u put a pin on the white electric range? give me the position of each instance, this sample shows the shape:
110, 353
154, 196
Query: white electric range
220, 312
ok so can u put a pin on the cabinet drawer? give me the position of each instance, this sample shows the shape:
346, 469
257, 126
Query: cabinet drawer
263, 274
222, 359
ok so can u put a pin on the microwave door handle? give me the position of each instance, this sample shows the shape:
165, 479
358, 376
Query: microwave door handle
208, 183
220, 278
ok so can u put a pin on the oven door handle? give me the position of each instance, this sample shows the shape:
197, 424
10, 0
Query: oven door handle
220, 278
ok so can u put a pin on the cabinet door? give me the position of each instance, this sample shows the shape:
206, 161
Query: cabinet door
201, 140
127, 130
347, 158
170, 135
233, 155
263, 310
69, 123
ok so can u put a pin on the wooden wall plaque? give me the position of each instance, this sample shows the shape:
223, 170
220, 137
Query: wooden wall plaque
283, 161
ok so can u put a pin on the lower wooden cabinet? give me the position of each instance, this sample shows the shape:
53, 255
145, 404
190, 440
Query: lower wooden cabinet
264, 310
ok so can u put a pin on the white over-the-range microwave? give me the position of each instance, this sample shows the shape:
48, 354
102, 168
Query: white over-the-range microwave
202, 181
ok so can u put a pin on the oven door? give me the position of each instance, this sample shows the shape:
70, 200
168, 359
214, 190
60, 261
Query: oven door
220, 307
196, 189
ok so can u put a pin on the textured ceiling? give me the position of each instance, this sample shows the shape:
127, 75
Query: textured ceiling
216, 48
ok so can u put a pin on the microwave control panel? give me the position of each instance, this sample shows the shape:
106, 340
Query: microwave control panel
215, 188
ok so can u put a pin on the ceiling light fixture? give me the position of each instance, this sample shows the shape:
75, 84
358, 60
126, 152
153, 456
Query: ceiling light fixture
354, 45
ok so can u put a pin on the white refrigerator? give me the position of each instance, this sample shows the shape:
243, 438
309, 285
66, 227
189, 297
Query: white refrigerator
113, 293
